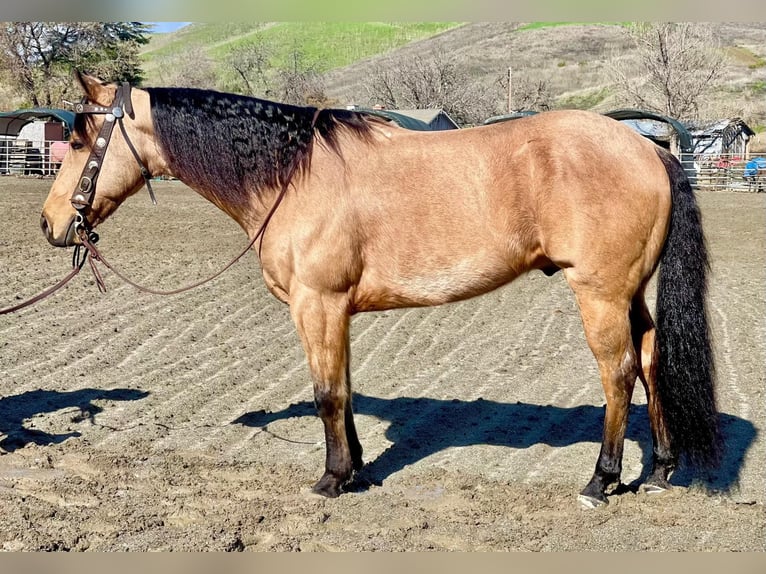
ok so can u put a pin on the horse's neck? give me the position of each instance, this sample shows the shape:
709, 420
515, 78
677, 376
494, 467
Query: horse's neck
249, 211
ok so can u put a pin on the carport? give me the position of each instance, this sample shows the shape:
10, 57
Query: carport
26, 156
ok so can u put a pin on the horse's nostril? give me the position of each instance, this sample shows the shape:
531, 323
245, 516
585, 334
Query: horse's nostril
44, 226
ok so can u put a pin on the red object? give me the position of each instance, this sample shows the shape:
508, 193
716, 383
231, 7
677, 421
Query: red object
58, 151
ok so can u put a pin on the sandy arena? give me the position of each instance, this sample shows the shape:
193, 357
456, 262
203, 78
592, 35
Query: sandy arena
132, 422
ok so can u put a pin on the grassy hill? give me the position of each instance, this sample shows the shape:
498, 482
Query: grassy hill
323, 45
573, 58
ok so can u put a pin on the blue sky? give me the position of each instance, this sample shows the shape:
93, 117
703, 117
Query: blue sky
166, 26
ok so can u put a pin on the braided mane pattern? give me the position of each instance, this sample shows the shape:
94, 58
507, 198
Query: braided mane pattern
236, 145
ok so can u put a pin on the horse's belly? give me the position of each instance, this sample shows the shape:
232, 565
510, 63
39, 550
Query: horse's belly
429, 285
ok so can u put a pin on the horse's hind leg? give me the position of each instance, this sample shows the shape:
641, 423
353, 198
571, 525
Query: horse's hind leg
663, 459
607, 330
322, 321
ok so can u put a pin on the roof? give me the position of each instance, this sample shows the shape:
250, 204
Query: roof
713, 127
12, 122
419, 119
432, 116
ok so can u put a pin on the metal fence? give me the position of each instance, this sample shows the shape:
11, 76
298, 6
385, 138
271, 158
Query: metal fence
723, 172
26, 157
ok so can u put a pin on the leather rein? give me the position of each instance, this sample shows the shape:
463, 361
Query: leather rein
84, 194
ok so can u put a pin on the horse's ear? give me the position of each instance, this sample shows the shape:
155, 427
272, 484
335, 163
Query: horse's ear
96, 90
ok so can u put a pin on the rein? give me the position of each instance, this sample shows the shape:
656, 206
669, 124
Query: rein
91, 254
78, 261
95, 255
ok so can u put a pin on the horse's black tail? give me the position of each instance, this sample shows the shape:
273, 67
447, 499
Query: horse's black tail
685, 367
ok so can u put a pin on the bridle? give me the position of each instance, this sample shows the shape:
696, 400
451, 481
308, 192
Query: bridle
85, 191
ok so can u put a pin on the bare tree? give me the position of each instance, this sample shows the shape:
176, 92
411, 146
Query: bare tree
251, 62
38, 57
678, 64
434, 81
298, 83
295, 82
192, 69
529, 90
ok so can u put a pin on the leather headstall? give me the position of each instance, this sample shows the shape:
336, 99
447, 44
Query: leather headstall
84, 194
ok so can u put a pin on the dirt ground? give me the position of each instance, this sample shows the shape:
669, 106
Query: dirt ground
136, 422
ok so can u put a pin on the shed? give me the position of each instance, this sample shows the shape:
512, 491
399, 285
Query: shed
723, 136
26, 137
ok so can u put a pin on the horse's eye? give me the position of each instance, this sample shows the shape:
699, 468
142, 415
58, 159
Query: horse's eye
76, 144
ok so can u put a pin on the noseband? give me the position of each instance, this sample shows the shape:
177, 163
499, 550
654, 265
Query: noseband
85, 192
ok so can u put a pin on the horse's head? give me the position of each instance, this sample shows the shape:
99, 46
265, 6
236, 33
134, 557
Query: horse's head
100, 169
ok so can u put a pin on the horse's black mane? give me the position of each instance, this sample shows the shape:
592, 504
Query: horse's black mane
234, 145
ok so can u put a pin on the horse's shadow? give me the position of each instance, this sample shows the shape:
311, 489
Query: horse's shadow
16, 409
453, 423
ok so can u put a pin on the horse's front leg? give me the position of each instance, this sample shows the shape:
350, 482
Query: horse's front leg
322, 320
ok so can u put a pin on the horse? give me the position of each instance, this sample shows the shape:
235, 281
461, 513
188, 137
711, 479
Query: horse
353, 214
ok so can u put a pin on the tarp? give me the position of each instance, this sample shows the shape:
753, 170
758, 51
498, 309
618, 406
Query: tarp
407, 122
684, 137
12, 122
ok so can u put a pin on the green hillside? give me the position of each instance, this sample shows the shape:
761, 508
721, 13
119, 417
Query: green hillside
323, 45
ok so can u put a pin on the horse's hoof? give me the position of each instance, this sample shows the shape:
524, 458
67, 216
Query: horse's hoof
328, 486
326, 490
653, 488
590, 502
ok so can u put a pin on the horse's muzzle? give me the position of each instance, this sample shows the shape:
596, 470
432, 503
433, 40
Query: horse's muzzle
67, 240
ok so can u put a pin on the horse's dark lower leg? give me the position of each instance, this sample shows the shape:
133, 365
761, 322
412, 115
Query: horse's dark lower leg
322, 322
664, 459
607, 330
354, 446
338, 459
618, 386
605, 477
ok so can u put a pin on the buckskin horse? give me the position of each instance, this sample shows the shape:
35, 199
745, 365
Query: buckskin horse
352, 213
